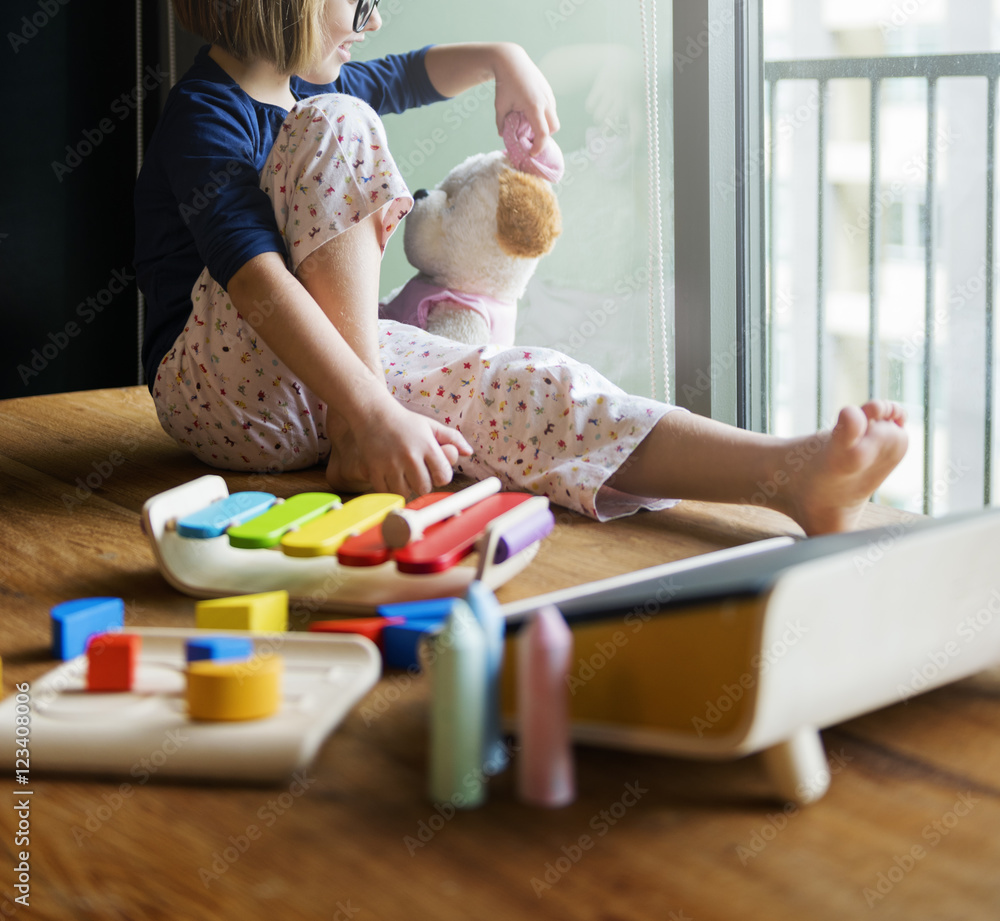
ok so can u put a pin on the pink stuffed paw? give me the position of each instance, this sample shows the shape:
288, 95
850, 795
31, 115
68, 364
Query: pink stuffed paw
518, 138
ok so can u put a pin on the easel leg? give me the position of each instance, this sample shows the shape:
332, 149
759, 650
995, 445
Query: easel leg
797, 767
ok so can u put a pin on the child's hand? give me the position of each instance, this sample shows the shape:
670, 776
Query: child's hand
521, 87
394, 450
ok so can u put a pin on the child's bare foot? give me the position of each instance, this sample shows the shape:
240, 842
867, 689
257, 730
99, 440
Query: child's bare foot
840, 469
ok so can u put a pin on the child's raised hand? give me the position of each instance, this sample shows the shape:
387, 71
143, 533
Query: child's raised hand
394, 450
521, 87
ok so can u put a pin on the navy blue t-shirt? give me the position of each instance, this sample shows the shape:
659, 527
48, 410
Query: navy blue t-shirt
198, 200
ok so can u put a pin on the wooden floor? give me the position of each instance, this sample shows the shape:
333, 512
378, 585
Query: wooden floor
910, 828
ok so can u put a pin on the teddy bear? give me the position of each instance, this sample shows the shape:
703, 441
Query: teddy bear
476, 239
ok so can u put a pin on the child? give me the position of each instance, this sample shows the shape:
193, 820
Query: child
261, 217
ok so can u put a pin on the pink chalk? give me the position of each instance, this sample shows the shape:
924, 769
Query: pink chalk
546, 776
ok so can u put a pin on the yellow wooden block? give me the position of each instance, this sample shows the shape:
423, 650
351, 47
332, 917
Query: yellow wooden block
248, 690
267, 612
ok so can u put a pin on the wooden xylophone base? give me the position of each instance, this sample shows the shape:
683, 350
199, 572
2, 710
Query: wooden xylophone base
214, 569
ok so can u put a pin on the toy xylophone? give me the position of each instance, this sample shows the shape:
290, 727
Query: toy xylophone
333, 555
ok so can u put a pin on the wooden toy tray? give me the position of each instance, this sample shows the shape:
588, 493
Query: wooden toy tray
146, 732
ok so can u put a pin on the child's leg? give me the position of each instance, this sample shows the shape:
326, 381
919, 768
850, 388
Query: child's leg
338, 197
821, 481
350, 300
547, 424
221, 392
538, 420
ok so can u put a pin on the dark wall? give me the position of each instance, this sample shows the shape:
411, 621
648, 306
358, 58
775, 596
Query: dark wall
68, 159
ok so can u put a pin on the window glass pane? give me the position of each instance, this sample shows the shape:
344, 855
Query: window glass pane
862, 276
590, 296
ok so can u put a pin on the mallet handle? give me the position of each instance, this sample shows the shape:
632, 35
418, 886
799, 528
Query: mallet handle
403, 526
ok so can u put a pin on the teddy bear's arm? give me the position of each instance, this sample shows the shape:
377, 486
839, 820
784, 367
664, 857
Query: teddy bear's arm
454, 321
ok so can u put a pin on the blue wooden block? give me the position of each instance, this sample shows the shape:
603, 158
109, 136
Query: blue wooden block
431, 609
218, 647
75, 622
400, 641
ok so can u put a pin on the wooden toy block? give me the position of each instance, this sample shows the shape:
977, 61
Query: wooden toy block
75, 622
401, 642
429, 609
232, 691
111, 661
370, 627
218, 648
267, 611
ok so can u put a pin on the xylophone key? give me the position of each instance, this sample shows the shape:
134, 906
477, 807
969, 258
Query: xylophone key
214, 519
322, 536
267, 530
523, 534
369, 549
447, 543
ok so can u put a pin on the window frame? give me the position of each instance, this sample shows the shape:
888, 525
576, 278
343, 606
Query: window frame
720, 357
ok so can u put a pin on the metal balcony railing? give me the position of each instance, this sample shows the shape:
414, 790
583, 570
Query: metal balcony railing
930, 69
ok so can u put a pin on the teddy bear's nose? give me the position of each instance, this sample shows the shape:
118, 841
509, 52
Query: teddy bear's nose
420, 193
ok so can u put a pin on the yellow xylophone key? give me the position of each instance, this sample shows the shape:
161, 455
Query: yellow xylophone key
266, 530
323, 536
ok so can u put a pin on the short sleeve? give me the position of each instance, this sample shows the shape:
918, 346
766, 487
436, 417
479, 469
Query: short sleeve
210, 160
389, 85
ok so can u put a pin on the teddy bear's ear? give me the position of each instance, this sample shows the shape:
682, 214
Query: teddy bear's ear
528, 219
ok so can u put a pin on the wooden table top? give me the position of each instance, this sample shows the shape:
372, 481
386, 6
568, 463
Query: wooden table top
910, 828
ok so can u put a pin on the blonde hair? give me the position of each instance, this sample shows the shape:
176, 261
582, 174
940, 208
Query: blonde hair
285, 33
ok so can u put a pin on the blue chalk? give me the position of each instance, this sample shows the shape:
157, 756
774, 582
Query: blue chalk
486, 610
432, 609
75, 622
218, 647
400, 641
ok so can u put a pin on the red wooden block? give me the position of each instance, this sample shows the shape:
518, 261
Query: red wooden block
111, 661
371, 627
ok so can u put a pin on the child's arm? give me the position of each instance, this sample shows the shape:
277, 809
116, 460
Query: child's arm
401, 451
520, 85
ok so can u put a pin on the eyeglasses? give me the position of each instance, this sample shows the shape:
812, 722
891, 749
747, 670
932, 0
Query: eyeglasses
362, 13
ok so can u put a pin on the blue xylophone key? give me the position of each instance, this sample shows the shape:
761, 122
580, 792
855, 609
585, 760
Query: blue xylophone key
214, 519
